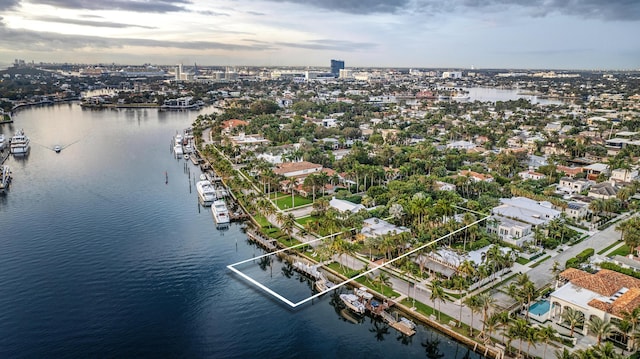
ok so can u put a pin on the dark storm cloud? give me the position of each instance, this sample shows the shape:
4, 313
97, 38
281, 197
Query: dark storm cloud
8, 4
51, 42
116, 25
595, 9
327, 44
158, 6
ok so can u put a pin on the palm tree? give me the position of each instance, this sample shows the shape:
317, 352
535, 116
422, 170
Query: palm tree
459, 284
486, 301
288, 223
383, 279
632, 317
599, 327
573, 317
437, 293
518, 329
491, 324
545, 335
475, 306
625, 326
564, 354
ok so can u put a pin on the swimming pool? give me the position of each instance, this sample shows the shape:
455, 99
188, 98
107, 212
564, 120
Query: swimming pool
540, 307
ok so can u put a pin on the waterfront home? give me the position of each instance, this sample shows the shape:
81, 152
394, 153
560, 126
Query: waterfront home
229, 125
510, 230
376, 227
345, 208
297, 169
605, 294
248, 142
526, 210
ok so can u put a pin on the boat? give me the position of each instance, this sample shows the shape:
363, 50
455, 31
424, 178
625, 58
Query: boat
206, 193
57, 148
323, 285
186, 157
220, 213
461, 97
5, 178
20, 143
177, 150
3, 142
203, 177
408, 322
177, 140
353, 302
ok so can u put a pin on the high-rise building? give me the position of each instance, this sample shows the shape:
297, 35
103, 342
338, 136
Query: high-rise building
336, 66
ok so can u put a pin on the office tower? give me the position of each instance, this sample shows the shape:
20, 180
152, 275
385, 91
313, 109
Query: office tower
336, 66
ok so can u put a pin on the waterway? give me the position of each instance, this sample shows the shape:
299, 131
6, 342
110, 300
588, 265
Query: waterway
100, 256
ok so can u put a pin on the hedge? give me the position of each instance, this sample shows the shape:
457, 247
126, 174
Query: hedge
617, 268
580, 258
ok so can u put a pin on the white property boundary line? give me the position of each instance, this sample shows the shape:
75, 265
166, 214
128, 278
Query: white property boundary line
338, 285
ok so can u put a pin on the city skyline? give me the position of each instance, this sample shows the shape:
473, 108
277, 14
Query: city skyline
553, 34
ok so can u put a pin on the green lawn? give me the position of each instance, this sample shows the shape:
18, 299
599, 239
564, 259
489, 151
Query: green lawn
427, 310
284, 203
302, 221
603, 251
540, 261
262, 221
622, 251
522, 261
386, 290
344, 270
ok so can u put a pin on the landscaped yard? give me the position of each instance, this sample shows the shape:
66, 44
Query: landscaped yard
284, 202
302, 221
621, 251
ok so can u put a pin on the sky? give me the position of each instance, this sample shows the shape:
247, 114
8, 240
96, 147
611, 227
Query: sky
511, 34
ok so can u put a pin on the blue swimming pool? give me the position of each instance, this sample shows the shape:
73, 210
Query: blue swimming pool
540, 307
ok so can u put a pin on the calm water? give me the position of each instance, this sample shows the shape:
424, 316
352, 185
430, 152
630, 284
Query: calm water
488, 94
99, 257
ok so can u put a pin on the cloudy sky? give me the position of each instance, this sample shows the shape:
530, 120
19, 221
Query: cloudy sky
559, 34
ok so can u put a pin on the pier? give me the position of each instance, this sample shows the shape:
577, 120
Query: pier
262, 241
397, 325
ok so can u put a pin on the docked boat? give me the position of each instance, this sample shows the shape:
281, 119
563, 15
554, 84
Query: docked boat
408, 323
3, 142
206, 193
5, 178
324, 285
461, 98
220, 213
353, 302
177, 140
177, 150
57, 148
20, 143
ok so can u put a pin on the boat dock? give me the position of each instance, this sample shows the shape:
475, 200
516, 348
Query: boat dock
262, 241
397, 325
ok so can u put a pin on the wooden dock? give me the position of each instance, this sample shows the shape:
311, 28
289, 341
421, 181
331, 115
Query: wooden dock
397, 325
264, 242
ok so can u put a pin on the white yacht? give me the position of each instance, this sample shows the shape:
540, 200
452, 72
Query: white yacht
19, 143
353, 302
178, 140
220, 213
206, 193
177, 150
5, 178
